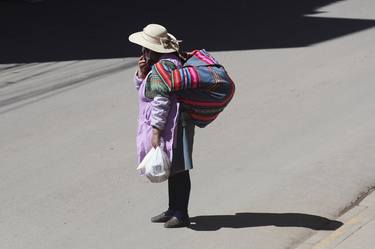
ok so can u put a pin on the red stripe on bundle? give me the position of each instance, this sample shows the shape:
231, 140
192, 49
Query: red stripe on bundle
201, 103
204, 58
210, 104
203, 117
177, 83
164, 75
176, 78
194, 78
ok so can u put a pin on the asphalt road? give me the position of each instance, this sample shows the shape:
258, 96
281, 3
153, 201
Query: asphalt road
292, 151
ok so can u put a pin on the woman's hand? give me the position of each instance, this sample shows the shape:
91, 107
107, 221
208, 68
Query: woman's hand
143, 67
155, 139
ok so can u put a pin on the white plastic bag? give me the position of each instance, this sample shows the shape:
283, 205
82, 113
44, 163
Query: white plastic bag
155, 165
142, 166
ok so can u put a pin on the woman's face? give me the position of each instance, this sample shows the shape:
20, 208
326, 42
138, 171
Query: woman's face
146, 54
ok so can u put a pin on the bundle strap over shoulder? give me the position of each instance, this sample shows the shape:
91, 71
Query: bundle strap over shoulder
155, 85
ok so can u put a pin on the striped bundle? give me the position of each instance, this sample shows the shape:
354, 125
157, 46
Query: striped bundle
202, 86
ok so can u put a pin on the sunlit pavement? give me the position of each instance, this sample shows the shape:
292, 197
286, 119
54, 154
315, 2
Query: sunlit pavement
282, 166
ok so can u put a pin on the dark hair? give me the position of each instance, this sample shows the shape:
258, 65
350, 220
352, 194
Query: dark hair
154, 56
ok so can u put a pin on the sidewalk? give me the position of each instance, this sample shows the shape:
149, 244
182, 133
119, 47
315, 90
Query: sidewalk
358, 231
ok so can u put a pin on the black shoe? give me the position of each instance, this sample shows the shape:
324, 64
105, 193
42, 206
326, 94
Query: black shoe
163, 217
175, 222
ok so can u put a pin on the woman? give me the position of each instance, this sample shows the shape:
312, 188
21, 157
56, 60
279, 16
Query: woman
163, 122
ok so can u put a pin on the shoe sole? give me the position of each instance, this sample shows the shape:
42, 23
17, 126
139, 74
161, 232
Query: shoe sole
161, 220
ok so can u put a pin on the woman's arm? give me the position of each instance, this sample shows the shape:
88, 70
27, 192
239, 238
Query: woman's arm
161, 103
159, 117
160, 112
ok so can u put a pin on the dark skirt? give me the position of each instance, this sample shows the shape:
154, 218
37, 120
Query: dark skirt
182, 153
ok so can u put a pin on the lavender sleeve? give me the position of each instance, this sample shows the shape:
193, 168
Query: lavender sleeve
160, 107
160, 111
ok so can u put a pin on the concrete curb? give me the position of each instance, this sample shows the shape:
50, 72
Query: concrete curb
354, 220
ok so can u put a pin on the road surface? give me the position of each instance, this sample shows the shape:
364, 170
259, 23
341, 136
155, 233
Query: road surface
291, 153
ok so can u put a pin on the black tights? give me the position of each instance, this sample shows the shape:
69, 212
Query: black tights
179, 190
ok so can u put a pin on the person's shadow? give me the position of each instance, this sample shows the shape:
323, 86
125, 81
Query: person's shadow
244, 220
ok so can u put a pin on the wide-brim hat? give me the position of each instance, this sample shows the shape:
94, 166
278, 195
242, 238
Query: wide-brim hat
156, 38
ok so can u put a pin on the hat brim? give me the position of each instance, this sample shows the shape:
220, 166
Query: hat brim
138, 39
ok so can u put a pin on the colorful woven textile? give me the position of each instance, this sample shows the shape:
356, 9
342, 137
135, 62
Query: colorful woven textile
202, 85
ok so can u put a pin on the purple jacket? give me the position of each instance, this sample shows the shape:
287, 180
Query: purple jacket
161, 112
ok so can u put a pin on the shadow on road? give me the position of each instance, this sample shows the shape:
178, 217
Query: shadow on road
243, 220
56, 30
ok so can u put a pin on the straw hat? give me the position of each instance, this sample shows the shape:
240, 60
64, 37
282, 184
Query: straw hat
156, 38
